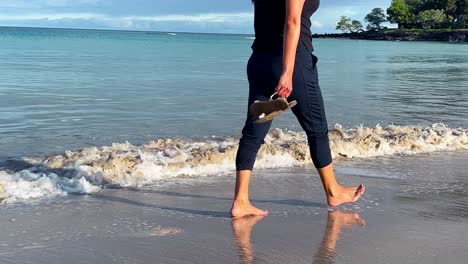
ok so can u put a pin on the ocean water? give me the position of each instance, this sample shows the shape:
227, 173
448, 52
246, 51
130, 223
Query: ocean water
85, 109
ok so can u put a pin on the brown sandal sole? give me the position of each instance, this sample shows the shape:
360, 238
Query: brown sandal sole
274, 114
267, 107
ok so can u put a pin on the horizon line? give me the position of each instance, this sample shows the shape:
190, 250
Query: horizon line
143, 31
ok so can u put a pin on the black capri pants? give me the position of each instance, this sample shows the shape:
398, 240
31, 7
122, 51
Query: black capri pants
264, 71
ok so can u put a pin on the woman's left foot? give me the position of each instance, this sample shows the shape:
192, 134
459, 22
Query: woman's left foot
241, 209
341, 195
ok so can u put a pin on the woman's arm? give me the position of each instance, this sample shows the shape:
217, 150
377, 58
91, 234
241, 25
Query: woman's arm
292, 31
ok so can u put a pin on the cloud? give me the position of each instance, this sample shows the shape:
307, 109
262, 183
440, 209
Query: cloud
200, 18
92, 14
219, 22
209, 22
233, 18
316, 24
62, 3
51, 17
23, 4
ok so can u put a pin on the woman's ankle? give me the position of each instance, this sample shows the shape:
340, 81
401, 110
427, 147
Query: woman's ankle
333, 189
241, 200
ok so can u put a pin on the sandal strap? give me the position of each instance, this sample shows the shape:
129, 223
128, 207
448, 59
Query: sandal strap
273, 95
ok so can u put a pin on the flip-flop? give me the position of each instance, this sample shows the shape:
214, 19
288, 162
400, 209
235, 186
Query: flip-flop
267, 107
267, 110
265, 118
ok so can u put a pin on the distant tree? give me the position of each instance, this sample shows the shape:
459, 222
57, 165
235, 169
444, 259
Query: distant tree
463, 13
432, 18
433, 4
413, 13
399, 13
375, 18
450, 10
415, 7
344, 24
356, 26
347, 25
451, 6
457, 10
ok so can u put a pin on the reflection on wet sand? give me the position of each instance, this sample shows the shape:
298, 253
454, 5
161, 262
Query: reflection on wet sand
336, 221
242, 229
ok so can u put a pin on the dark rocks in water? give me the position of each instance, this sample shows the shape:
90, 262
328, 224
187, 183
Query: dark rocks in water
404, 35
459, 37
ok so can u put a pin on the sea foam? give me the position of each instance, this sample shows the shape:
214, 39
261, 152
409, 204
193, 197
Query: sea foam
26, 185
167, 160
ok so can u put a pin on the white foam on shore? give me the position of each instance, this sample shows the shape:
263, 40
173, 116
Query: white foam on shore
365, 142
26, 185
126, 165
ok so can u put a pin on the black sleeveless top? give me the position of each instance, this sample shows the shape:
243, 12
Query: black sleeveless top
270, 17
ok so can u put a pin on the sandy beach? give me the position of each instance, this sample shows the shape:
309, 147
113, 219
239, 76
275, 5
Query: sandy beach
401, 219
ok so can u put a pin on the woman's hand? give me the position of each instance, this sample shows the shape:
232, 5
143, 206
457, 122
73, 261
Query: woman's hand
284, 88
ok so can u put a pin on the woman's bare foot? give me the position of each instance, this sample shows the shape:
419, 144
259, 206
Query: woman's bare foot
241, 209
340, 195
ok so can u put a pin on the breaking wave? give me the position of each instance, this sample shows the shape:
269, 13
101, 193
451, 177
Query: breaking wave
156, 162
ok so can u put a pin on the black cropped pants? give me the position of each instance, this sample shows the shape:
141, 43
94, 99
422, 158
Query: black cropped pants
264, 71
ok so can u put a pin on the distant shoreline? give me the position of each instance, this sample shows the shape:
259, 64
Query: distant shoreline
126, 30
444, 35
441, 35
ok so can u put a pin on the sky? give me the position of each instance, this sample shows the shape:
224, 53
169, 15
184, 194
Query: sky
210, 16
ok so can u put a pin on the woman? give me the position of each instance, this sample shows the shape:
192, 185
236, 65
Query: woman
282, 62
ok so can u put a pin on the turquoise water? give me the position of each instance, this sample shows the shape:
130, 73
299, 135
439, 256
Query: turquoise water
73, 89
68, 89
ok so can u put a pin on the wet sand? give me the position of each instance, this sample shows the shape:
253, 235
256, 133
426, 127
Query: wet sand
415, 211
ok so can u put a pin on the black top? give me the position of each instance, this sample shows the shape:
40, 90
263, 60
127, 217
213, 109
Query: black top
270, 16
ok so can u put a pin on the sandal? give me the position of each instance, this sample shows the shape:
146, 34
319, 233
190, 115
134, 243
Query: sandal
267, 110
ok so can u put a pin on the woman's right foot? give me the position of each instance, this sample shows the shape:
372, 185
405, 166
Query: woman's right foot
341, 195
241, 209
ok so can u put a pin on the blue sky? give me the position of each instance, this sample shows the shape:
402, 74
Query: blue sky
221, 16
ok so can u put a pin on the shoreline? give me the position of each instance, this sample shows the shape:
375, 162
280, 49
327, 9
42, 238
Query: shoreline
165, 224
452, 36
439, 35
90, 169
